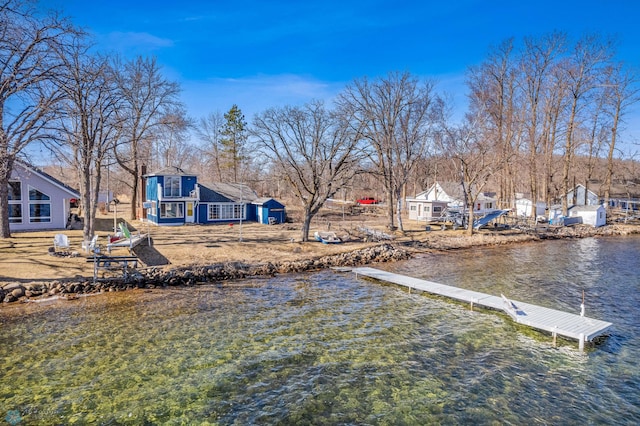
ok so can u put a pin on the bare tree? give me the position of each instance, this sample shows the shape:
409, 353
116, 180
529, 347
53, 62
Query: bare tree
172, 139
581, 71
29, 65
536, 66
494, 94
395, 116
473, 156
620, 88
312, 148
90, 125
209, 132
553, 110
147, 96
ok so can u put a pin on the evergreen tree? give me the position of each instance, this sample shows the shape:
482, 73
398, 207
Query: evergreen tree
233, 141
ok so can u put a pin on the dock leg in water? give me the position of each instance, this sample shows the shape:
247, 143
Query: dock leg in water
581, 343
555, 338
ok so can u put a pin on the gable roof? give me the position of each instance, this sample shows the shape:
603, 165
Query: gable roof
31, 169
452, 193
264, 200
226, 192
170, 171
591, 208
207, 195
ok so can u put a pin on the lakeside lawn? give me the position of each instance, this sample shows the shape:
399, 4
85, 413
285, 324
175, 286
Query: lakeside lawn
26, 256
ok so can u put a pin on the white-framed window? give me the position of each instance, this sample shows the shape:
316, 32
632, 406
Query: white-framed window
226, 211
171, 210
39, 206
15, 201
171, 186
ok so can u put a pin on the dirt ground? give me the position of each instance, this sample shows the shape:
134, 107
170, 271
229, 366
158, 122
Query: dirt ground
26, 256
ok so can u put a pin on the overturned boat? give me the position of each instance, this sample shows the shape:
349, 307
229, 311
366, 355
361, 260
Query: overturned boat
327, 237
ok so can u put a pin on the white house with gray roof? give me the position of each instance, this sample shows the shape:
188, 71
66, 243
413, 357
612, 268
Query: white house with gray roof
37, 201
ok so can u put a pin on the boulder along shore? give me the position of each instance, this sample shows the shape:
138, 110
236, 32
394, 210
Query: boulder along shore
154, 277
158, 277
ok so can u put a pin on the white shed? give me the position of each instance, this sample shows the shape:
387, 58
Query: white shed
591, 215
525, 205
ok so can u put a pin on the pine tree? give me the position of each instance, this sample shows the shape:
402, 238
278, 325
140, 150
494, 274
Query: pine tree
234, 138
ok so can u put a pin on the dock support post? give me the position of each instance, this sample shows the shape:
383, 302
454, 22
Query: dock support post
555, 337
581, 343
472, 305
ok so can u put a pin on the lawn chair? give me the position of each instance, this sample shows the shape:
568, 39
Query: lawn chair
125, 231
92, 246
60, 241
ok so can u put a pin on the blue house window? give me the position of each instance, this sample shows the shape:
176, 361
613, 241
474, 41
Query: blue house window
171, 186
171, 210
39, 206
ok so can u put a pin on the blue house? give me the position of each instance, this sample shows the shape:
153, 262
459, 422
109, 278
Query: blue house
174, 197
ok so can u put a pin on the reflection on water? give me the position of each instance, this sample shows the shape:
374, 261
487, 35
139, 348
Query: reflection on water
325, 348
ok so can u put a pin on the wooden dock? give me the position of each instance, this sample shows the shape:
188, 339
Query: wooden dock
558, 323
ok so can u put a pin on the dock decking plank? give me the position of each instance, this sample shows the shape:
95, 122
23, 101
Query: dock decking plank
564, 324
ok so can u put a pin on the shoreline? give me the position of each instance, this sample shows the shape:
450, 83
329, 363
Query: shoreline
194, 274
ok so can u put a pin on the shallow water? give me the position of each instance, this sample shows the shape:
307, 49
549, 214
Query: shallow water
325, 348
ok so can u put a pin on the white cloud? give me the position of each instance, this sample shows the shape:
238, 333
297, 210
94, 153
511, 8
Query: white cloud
135, 41
254, 94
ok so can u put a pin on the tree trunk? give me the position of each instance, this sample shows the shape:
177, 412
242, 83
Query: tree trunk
6, 166
609, 175
470, 224
391, 226
87, 201
399, 200
306, 225
568, 157
134, 190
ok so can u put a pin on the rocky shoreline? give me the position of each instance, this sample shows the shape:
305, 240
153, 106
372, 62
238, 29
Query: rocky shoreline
150, 278
156, 277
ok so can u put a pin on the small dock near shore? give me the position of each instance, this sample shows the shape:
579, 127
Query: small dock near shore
558, 323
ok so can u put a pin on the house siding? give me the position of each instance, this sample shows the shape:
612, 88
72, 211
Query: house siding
269, 208
227, 199
58, 202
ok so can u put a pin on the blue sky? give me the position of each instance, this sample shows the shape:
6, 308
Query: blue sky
259, 54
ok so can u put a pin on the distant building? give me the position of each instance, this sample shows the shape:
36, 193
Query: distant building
588, 215
38, 201
440, 197
524, 206
175, 197
581, 196
591, 215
